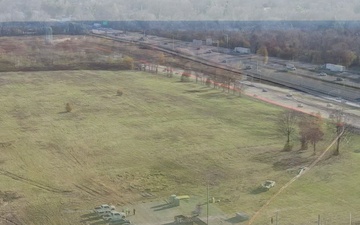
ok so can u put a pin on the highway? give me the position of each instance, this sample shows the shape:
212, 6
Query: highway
313, 93
302, 79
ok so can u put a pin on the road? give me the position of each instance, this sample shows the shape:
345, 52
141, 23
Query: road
299, 101
314, 93
304, 77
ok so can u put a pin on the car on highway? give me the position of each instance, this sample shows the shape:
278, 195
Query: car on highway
248, 67
339, 79
322, 74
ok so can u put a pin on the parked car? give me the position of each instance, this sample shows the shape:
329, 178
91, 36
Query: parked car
114, 216
120, 221
103, 209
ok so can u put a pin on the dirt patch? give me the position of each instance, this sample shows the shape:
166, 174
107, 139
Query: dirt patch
6, 144
31, 182
291, 162
9, 196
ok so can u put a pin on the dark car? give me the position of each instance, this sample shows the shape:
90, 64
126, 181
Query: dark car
248, 67
119, 221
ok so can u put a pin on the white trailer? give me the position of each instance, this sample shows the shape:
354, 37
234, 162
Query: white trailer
208, 41
242, 50
197, 42
334, 67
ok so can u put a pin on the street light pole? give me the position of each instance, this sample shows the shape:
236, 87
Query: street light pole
207, 204
227, 40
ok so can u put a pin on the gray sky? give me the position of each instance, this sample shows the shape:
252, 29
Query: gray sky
40, 10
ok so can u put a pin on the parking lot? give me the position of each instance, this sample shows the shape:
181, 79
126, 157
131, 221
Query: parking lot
159, 212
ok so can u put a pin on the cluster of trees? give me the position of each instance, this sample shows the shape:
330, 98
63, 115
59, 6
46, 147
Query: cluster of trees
309, 129
17, 29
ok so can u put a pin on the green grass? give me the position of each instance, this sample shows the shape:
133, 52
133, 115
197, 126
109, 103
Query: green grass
161, 137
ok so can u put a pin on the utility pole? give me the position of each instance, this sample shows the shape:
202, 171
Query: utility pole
207, 204
227, 40
173, 42
350, 219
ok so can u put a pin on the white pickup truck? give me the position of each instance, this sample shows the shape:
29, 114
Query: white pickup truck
104, 209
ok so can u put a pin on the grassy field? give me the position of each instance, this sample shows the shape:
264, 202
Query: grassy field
161, 137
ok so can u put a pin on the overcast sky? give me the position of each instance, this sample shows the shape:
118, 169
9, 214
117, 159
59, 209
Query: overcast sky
42, 10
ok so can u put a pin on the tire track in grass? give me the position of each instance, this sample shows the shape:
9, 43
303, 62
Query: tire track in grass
31, 182
257, 213
87, 190
9, 221
94, 188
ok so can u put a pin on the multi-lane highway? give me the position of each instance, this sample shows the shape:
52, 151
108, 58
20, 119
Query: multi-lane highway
315, 93
303, 78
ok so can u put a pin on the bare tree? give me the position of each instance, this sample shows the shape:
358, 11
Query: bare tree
340, 121
286, 123
311, 130
262, 51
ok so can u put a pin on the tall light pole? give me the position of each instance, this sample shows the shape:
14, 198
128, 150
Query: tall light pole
227, 40
207, 204
173, 43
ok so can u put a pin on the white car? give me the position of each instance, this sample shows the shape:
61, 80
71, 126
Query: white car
322, 74
112, 216
119, 221
104, 209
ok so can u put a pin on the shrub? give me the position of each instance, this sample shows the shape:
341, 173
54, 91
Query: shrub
119, 92
68, 107
288, 147
185, 77
208, 82
128, 63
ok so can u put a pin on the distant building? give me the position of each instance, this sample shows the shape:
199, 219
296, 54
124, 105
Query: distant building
197, 42
48, 35
334, 67
242, 50
208, 41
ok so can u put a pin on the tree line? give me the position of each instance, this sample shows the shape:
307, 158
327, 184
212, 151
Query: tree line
337, 45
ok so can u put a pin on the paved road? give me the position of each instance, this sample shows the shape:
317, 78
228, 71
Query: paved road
302, 78
300, 101
304, 102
